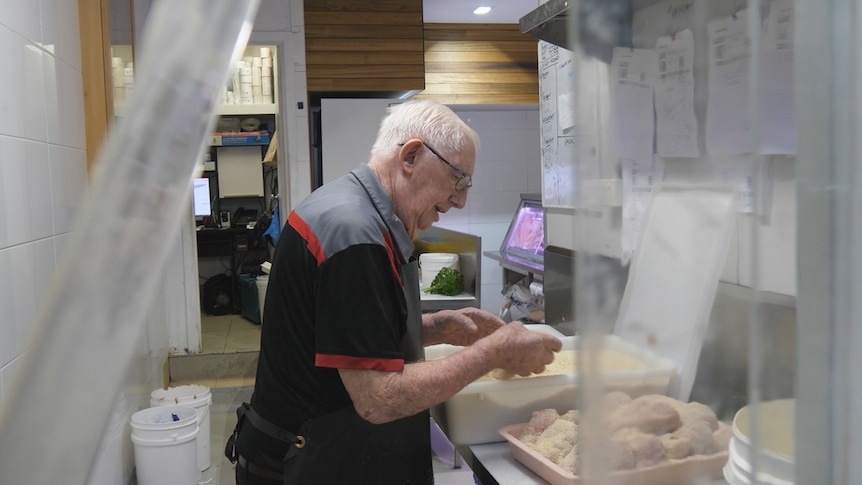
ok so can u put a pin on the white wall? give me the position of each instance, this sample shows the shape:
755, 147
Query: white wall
348, 129
507, 165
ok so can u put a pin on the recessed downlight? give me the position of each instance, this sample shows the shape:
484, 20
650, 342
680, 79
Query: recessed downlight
482, 10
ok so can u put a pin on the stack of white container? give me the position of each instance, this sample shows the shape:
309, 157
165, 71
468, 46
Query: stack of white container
266, 75
252, 81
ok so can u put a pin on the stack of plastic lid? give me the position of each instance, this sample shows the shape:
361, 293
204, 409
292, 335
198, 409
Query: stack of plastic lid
775, 442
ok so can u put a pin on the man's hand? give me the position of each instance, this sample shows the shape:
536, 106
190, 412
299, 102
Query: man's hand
516, 350
458, 327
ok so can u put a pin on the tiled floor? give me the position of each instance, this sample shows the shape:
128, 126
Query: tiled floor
222, 335
228, 333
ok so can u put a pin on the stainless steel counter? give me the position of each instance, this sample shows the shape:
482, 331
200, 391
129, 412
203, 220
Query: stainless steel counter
493, 464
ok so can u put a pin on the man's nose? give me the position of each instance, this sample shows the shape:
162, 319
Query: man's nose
459, 199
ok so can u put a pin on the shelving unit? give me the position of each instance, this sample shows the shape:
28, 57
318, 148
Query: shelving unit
469, 249
244, 185
248, 109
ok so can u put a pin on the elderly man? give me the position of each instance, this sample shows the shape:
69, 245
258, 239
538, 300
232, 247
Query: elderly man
342, 390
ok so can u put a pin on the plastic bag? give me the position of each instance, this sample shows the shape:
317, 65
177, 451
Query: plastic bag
274, 229
519, 303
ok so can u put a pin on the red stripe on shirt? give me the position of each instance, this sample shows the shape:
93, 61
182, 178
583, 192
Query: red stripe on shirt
390, 249
358, 363
306, 233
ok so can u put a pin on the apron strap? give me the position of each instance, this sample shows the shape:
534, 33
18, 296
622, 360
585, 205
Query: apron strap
268, 428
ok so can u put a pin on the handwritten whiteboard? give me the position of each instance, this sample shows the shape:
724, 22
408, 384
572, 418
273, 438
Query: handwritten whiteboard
573, 107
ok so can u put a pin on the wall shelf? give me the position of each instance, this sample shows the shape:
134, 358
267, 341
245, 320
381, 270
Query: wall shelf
248, 109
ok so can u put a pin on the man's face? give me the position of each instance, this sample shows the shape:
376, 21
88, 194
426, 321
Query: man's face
434, 186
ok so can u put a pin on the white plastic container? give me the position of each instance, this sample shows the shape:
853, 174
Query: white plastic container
476, 413
165, 440
432, 263
776, 462
199, 398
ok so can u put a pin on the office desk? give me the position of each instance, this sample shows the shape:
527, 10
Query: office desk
215, 242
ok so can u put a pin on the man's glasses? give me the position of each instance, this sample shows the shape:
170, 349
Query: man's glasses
464, 180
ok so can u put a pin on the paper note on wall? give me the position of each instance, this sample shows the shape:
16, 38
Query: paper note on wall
777, 106
676, 124
632, 124
639, 182
728, 130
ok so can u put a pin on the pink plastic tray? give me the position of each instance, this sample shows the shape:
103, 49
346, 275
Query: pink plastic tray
673, 472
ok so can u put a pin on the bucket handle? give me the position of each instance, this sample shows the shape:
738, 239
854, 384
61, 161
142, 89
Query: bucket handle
204, 414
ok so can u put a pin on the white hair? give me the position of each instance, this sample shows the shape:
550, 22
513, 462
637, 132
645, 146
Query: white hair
429, 121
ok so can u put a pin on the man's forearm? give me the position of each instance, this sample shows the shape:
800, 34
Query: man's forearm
380, 397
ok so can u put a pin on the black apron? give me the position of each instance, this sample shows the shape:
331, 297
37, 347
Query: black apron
344, 448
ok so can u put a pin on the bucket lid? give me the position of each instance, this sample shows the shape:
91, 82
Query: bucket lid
164, 417
775, 430
190, 393
438, 257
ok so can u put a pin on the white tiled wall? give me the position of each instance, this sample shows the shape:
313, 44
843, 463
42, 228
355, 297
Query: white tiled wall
508, 164
43, 164
43, 183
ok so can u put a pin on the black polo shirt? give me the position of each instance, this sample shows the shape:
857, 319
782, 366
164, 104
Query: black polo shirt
334, 300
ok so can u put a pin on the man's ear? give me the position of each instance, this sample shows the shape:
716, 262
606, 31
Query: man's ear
409, 151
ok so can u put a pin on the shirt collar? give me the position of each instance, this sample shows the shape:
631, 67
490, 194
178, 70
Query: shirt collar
383, 203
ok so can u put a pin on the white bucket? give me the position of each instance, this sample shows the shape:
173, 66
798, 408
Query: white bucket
432, 263
262, 281
776, 464
197, 397
165, 448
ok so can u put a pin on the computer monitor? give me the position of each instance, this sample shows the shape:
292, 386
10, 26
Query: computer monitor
202, 197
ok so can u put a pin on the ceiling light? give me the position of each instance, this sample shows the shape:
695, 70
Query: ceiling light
482, 10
